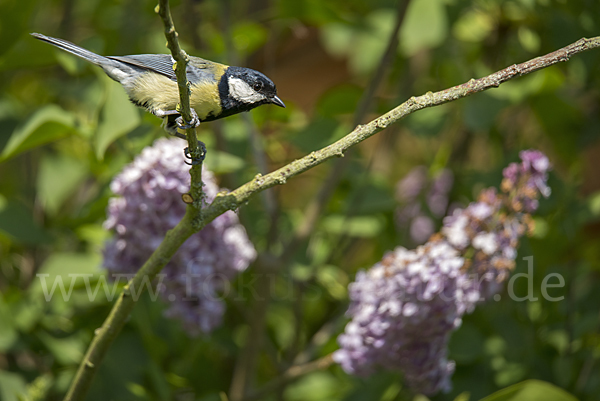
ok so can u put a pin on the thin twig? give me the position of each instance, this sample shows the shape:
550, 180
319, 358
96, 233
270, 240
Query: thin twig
181, 62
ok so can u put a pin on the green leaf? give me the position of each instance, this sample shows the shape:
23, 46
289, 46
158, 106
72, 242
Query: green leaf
540, 227
45, 125
425, 26
58, 177
62, 264
223, 163
15, 20
337, 39
8, 333
93, 234
558, 116
564, 370
117, 118
559, 339
62, 272
481, 111
39, 388
249, 36
369, 45
594, 203
363, 46
28, 312
473, 26
360, 226
334, 280
12, 386
234, 128
280, 318
312, 387
126, 362
340, 100
316, 135
429, 121
466, 344
464, 396
531, 390
17, 222
67, 351
529, 39
375, 388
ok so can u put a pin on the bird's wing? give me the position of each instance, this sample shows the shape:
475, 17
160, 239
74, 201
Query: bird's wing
163, 64
160, 63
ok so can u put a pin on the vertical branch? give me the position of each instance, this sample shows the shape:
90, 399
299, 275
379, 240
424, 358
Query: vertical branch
189, 224
184, 108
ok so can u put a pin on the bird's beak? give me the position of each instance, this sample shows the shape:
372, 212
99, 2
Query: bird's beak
277, 101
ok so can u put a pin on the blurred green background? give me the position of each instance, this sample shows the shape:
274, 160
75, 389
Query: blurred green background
66, 130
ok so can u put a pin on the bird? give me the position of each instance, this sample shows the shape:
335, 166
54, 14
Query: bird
216, 90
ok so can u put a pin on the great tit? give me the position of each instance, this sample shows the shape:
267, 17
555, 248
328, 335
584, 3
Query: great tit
217, 90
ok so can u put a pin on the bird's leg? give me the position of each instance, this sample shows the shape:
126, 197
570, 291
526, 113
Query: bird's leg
199, 160
171, 125
192, 124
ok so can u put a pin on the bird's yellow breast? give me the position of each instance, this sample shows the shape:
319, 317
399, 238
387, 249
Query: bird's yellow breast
205, 99
157, 92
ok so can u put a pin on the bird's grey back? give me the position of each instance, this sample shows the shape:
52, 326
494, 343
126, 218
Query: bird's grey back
197, 70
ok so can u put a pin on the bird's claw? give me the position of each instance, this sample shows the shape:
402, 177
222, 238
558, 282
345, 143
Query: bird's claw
194, 123
194, 161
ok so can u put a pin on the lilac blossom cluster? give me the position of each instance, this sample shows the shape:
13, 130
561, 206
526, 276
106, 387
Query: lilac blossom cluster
405, 307
147, 206
423, 200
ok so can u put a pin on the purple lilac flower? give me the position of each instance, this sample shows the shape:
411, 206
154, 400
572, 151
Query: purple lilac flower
421, 228
409, 188
422, 199
405, 307
148, 204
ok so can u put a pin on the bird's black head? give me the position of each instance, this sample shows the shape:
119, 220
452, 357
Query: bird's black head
242, 89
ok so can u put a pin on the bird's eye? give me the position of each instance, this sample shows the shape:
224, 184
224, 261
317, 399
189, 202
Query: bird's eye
258, 86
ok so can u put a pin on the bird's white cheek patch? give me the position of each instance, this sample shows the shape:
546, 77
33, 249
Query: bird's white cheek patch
241, 91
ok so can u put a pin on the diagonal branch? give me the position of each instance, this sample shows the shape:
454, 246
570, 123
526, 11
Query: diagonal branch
107, 333
239, 196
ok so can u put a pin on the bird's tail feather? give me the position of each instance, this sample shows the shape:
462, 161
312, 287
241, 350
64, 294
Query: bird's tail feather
73, 49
